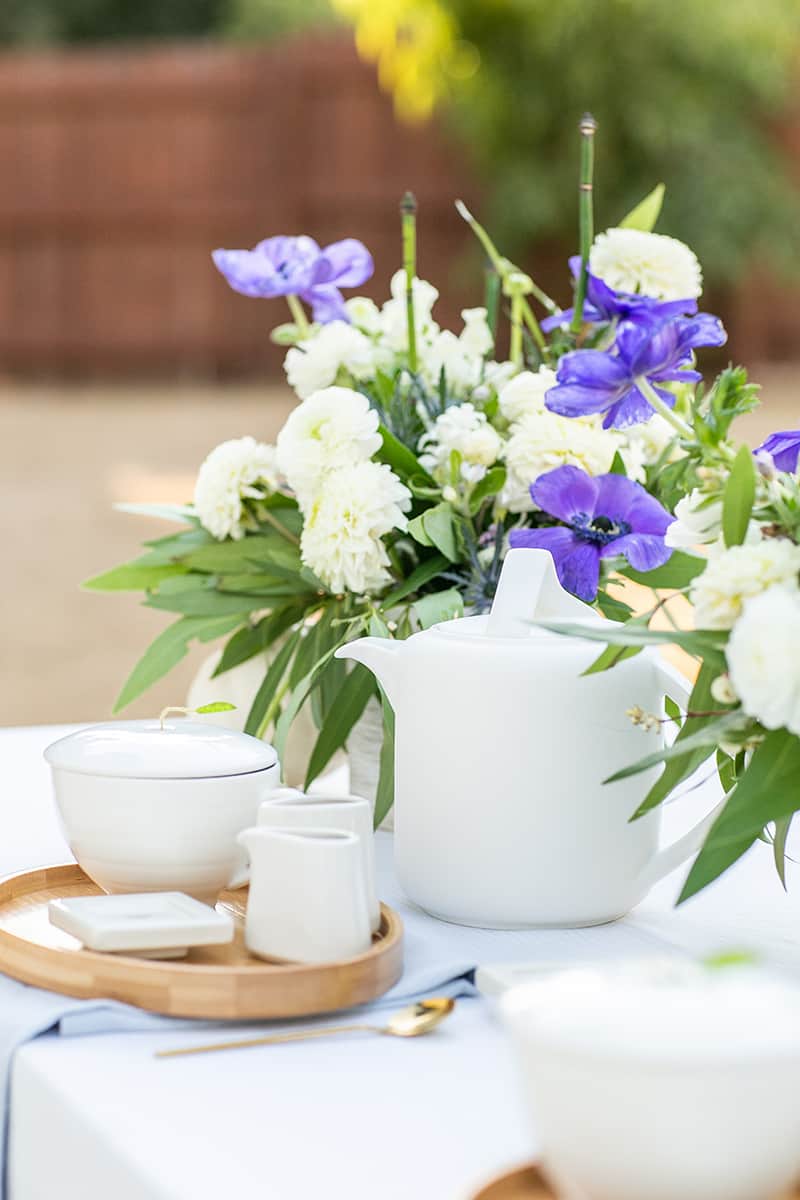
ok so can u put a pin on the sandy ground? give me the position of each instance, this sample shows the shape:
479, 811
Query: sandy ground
66, 455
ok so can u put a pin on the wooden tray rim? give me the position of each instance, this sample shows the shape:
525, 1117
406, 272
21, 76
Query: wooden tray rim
176, 972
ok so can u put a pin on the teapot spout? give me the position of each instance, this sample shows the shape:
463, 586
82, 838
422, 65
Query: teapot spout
379, 655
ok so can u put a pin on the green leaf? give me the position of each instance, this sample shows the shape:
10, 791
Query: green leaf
350, 703
175, 546
610, 657
402, 460
681, 767
167, 650
416, 527
613, 608
439, 530
384, 795
492, 483
254, 554
782, 827
738, 498
673, 711
206, 603
317, 639
297, 699
704, 643
677, 572
618, 465
646, 212
165, 512
767, 791
133, 577
438, 606
253, 639
710, 735
423, 574
216, 706
267, 696
261, 585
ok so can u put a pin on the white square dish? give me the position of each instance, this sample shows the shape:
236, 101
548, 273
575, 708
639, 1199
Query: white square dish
149, 922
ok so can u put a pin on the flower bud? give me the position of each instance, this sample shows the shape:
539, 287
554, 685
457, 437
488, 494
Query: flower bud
722, 690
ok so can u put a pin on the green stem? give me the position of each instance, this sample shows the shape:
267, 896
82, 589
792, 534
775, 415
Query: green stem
266, 515
501, 265
534, 327
273, 706
654, 400
408, 220
515, 346
588, 128
298, 315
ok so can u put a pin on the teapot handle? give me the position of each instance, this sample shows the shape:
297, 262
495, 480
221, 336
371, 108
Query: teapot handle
671, 857
528, 588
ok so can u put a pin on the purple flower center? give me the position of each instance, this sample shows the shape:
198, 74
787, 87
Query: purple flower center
598, 530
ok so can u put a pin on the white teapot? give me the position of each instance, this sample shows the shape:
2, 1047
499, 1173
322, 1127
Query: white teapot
501, 817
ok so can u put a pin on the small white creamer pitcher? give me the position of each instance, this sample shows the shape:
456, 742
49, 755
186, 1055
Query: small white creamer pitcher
501, 747
307, 901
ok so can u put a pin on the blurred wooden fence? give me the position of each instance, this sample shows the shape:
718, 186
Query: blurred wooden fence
122, 169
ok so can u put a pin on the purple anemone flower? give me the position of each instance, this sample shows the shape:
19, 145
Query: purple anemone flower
604, 305
594, 381
784, 449
296, 266
604, 516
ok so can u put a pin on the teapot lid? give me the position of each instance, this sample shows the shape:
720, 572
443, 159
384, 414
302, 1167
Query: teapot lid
182, 749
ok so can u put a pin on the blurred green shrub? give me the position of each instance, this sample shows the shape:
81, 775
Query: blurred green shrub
46, 21
687, 92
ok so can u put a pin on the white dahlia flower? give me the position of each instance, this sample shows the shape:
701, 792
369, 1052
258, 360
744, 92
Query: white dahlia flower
740, 573
525, 393
354, 508
465, 429
332, 428
541, 441
764, 658
630, 260
233, 473
315, 363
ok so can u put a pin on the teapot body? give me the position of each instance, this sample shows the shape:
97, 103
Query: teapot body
501, 816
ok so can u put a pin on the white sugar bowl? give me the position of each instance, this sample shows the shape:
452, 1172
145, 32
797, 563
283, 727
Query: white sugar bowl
662, 1079
147, 808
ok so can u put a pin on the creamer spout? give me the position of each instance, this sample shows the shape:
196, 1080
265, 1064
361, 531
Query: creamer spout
381, 656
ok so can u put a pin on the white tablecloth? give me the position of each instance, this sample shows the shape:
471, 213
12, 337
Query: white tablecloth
356, 1119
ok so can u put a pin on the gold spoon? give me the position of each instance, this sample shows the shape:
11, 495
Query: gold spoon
407, 1022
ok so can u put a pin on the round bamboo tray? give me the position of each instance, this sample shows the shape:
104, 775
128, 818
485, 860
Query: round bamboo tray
211, 982
528, 1183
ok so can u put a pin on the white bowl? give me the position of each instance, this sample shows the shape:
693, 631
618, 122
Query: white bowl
146, 809
662, 1081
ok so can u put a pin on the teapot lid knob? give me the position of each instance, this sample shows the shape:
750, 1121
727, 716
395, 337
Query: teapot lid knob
529, 588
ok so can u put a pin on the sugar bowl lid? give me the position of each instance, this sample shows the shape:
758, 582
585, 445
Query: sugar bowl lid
181, 749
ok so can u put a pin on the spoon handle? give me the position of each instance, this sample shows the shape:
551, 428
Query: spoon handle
300, 1035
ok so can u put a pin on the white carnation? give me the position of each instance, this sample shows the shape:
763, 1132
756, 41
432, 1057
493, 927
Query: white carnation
394, 318
333, 428
739, 573
341, 541
541, 441
233, 473
316, 362
698, 521
630, 260
364, 313
764, 658
465, 429
525, 393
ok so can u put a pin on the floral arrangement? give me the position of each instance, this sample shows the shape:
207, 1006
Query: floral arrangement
417, 455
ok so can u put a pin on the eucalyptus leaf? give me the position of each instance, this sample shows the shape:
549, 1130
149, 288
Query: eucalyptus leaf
439, 606
350, 703
267, 698
646, 212
206, 603
171, 645
423, 574
677, 572
133, 577
706, 738
738, 498
704, 643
